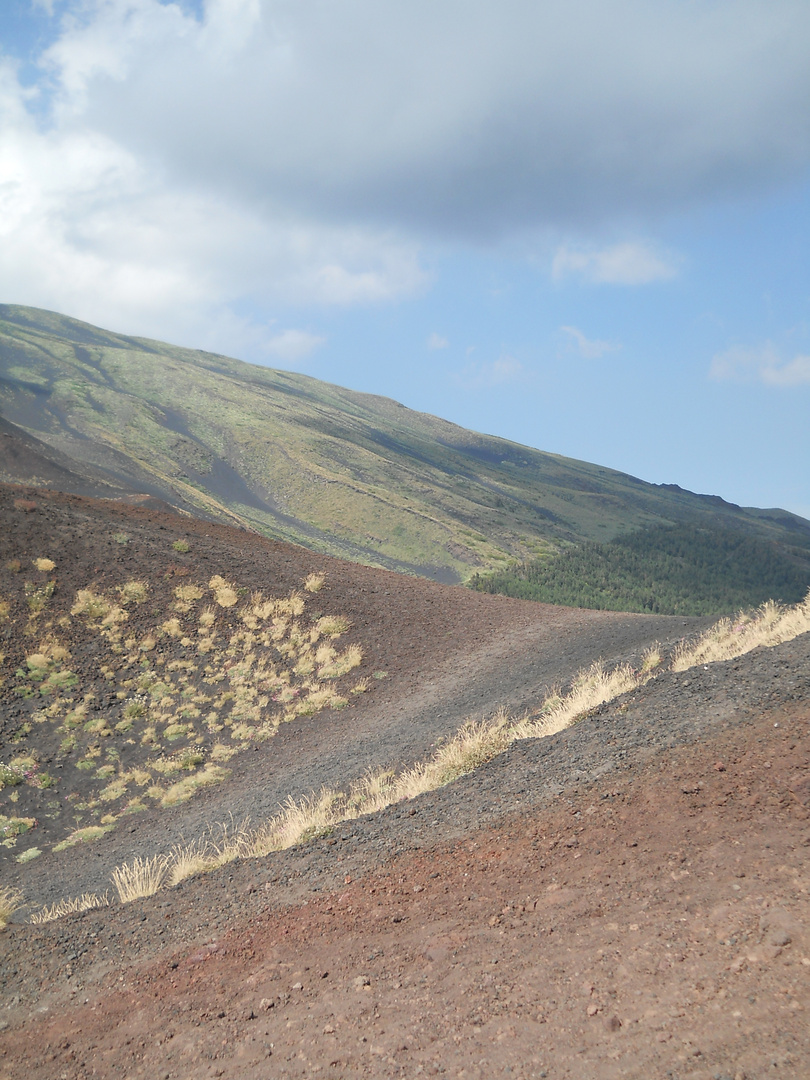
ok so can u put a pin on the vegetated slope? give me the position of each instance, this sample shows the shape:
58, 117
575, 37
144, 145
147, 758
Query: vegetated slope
147, 690
351, 474
670, 570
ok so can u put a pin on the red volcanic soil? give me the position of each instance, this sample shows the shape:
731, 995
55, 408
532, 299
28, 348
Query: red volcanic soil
626, 899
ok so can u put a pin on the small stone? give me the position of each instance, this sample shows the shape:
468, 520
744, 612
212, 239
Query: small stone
298, 986
267, 1003
593, 1010
779, 938
329, 1030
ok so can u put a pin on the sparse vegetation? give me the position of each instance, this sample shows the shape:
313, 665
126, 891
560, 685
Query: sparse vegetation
473, 745
174, 673
769, 625
133, 591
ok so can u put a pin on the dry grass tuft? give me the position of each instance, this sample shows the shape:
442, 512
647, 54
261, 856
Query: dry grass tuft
140, 878
85, 902
332, 625
314, 582
45, 565
769, 625
591, 688
224, 592
223, 844
11, 900
133, 591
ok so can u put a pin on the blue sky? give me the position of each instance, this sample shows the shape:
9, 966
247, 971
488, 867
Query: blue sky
580, 225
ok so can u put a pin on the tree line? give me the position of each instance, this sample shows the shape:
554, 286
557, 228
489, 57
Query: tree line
666, 570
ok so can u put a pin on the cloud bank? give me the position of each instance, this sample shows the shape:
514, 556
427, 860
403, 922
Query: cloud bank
179, 158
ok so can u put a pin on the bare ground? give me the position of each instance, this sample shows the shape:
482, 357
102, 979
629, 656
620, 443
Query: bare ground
626, 899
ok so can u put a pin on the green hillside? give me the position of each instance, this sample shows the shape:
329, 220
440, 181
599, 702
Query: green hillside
668, 570
347, 473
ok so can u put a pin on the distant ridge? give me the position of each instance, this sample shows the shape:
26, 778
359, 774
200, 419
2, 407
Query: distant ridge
355, 475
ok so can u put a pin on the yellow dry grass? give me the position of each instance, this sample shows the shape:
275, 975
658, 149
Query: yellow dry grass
11, 900
769, 625
85, 902
140, 878
590, 688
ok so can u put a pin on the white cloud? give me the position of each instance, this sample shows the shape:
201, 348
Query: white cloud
479, 376
517, 114
436, 341
760, 365
180, 161
293, 346
621, 264
590, 350
86, 228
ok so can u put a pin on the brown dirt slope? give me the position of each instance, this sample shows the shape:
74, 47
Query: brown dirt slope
447, 654
628, 899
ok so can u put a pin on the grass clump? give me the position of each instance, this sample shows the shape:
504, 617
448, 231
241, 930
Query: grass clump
85, 902
133, 591
140, 878
10, 776
44, 565
225, 594
37, 596
29, 855
332, 626
12, 827
314, 582
83, 836
11, 900
769, 625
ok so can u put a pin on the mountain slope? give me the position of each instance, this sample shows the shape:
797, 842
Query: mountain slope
351, 474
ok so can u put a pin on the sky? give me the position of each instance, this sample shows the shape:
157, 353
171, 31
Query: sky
582, 225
